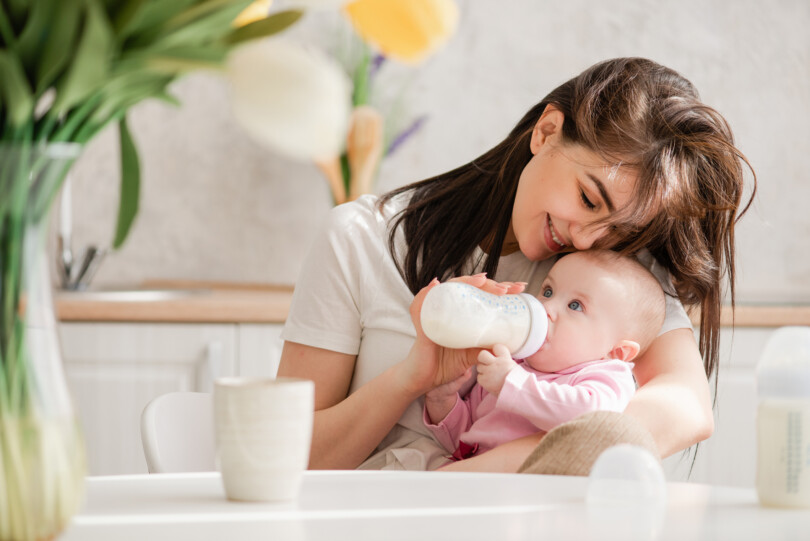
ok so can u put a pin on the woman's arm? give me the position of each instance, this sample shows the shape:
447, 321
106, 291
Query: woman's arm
347, 428
673, 400
505, 458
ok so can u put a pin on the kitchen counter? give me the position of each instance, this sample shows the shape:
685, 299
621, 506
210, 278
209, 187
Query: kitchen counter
179, 301
216, 302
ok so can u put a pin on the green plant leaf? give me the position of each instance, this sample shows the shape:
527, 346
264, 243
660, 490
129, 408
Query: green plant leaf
60, 44
202, 23
264, 27
176, 60
7, 37
213, 27
126, 90
17, 11
205, 9
138, 16
130, 185
34, 32
168, 99
90, 65
17, 97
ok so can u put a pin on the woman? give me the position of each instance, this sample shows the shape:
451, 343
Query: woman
623, 156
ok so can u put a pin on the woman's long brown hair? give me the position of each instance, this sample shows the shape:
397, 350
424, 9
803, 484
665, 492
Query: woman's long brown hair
632, 112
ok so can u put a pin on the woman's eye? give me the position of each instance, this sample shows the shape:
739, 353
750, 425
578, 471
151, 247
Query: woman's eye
587, 202
547, 292
575, 305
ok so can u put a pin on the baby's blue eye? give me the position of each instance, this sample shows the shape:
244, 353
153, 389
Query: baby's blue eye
575, 305
547, 292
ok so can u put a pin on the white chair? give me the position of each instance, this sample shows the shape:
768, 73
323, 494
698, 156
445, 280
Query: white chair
177, 432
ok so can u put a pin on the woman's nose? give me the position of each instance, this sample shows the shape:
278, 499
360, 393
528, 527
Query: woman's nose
584, 236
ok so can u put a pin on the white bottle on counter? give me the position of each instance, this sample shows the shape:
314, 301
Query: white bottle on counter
457, 315
783, 419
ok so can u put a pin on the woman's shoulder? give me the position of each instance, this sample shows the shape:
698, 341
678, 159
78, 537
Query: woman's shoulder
656, 268
676, 316
366, 210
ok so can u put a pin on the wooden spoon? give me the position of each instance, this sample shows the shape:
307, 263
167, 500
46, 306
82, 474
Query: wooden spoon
334, 175
364, 148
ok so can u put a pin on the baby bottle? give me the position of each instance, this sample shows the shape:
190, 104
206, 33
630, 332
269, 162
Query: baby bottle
783, 419
457, 315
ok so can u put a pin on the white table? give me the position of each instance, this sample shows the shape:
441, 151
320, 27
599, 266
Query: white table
418, 506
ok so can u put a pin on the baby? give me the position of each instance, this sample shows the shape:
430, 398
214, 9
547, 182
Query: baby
603, 310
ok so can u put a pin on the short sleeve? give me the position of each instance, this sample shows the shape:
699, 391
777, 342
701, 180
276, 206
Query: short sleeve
676, 316
324, 311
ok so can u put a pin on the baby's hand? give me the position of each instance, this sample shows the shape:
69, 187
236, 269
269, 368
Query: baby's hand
493, 369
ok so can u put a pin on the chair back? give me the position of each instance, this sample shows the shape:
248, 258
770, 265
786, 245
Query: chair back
177, 433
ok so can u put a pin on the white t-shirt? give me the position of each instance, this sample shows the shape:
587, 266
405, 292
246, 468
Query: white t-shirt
351, 299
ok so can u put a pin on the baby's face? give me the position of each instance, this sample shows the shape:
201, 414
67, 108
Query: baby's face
586, 314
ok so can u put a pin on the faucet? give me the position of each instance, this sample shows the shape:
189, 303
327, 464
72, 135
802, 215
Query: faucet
73, 276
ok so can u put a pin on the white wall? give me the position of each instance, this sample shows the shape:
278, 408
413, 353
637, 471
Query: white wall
217, 206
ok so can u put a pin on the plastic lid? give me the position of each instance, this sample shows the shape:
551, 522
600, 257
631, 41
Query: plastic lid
538, 327
784, 366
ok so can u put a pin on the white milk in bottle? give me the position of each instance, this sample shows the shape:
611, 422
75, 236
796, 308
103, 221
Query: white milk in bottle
783, 419
457, 315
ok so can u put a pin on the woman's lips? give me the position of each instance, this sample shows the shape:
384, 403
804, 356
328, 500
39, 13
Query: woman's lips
549, 234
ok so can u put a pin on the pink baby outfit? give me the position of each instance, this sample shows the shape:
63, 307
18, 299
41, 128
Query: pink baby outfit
530, 402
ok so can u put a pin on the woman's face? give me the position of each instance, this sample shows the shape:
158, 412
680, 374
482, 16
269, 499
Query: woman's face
562, 191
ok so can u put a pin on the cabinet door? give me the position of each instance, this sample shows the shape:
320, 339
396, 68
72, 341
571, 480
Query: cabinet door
259, 349
115, 369
729, 456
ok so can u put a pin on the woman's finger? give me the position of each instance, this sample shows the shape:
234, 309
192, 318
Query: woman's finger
416, 304
487, 284
514, 287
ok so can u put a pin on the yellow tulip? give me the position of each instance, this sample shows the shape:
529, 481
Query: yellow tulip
407, 30
256, 11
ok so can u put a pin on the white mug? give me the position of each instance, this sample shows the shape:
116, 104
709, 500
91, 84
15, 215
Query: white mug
263, 433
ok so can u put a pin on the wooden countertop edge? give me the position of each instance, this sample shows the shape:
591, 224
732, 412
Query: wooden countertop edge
761, 316
257, 303
216, 307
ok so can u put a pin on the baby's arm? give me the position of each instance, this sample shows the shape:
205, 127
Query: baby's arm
446, 415
493, 369
546, 404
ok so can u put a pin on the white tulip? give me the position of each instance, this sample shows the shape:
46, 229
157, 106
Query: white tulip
293, 99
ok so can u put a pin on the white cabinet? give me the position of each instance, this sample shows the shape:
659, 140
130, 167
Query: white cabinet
729, 456
115, 369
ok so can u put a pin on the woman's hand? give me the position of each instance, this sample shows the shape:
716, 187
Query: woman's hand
429, 365
440, 401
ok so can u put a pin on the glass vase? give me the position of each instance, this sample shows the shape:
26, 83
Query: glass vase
42, 456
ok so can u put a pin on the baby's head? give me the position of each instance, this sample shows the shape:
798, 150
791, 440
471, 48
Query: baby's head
600, 305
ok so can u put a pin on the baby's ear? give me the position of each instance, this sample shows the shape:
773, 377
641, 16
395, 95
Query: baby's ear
626, 350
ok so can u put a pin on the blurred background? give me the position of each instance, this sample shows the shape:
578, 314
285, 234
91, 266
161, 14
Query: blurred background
218, 206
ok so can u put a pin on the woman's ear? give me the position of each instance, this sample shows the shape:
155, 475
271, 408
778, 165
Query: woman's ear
626, 350
549, 124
